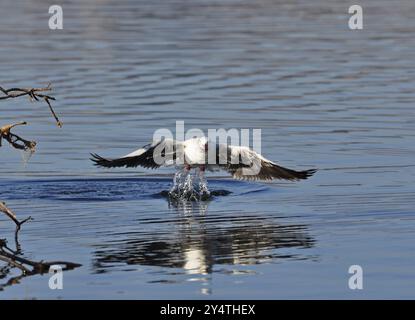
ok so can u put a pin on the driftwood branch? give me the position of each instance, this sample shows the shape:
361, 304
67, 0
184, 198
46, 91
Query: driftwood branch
16, 141
34, 94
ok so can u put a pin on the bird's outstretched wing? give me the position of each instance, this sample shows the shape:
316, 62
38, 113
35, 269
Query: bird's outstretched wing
246, 164
155, 155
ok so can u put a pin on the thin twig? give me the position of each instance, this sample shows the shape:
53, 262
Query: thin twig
34, 94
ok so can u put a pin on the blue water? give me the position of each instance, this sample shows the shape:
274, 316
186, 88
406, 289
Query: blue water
324, 96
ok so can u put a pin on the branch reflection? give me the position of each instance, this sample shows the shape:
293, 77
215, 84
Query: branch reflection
17, 267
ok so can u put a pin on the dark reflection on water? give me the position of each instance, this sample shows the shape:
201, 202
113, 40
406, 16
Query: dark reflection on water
16, 267
196, 242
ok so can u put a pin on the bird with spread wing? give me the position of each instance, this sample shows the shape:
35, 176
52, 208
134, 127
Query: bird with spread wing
241, 162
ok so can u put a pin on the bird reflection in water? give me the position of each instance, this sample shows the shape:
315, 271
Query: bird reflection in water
198, 243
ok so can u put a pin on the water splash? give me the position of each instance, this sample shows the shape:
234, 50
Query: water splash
190, 186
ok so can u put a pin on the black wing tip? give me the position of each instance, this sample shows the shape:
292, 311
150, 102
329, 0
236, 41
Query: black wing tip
99, 161
306, 173
128, 162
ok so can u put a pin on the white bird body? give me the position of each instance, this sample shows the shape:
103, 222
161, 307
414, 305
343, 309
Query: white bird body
195, 152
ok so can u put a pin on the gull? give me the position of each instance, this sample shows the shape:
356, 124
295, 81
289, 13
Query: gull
241, 162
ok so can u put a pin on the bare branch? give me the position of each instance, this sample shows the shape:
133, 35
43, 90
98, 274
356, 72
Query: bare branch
33, 94
15, 140
12, 215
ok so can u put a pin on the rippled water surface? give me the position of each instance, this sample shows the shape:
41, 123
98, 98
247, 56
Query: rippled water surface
324, 96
